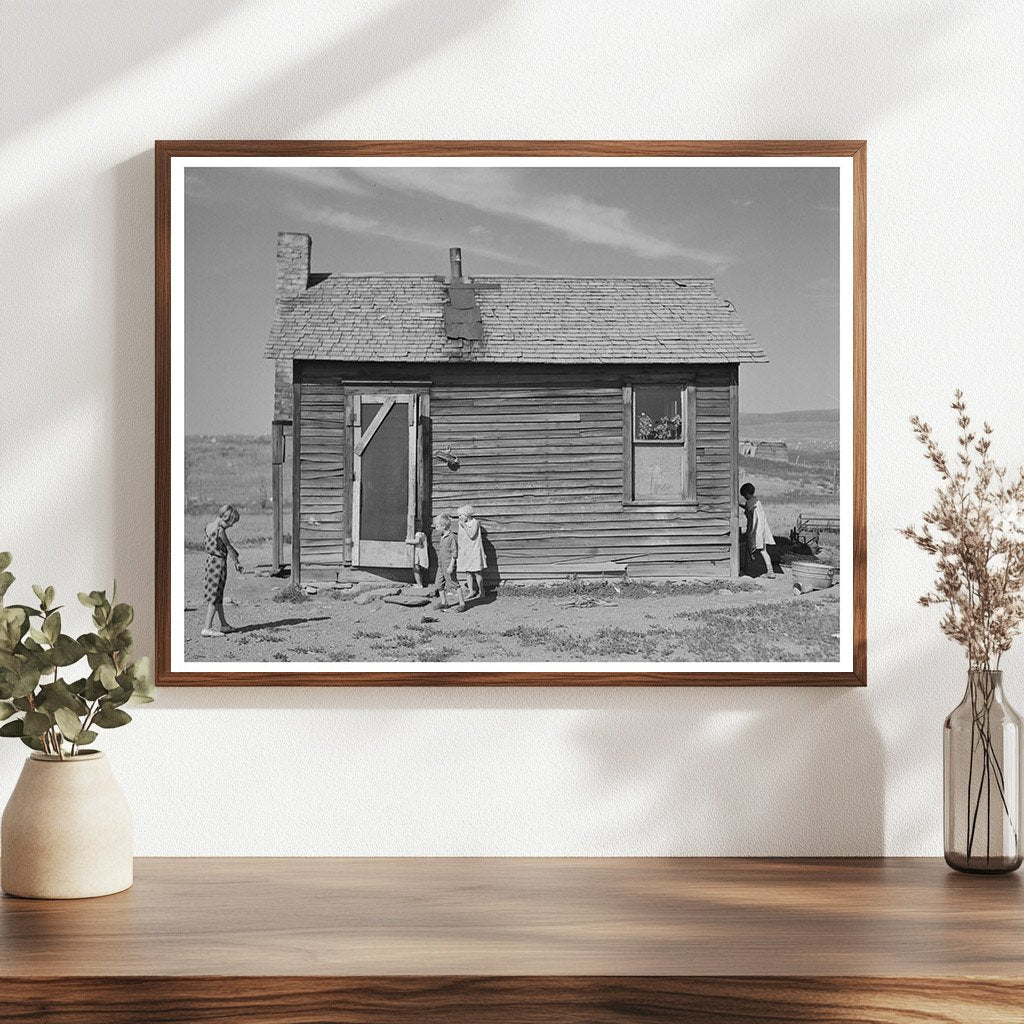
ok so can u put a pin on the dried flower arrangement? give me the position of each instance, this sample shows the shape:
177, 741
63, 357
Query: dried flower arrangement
975, 531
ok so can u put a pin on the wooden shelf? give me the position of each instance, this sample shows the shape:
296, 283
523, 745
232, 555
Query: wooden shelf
573, 941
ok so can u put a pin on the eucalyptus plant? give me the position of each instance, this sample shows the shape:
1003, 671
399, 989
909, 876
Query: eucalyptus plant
37, 704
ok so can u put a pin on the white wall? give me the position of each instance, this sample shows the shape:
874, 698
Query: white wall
935, 87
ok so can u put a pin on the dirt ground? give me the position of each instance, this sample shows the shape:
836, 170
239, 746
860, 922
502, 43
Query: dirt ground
712, 621
706, 620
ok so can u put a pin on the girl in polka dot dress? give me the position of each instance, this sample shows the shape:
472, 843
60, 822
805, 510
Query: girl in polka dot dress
218, 549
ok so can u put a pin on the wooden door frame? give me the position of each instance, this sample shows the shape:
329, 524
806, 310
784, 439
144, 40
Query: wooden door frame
374, 394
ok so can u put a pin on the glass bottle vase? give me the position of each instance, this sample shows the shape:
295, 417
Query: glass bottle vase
981, 772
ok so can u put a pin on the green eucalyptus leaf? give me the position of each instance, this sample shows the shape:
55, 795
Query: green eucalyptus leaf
36, 723
94, 689
67, 651
107, 676
29, 610
86, 736
122, 616
110, 717
13, 626
27, 681
59, 695
6, 579
94, 644
5, 559
9, 663
69, 724
115, 698
50, 594
38, 636
16, 727
89, 600
6, 710
40, 593
31, 741
142, 680
51, 626
22, 703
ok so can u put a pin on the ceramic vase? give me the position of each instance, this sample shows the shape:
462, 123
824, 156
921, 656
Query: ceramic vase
66, 831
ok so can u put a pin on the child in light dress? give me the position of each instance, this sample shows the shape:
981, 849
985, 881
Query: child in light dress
471, 558
420, 557
759, 533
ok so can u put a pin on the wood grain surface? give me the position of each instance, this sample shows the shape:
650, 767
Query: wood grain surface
503, 940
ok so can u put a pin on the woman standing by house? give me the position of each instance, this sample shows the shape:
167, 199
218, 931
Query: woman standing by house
218, 549
471, 559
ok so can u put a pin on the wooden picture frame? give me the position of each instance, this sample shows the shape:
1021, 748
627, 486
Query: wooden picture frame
171, 159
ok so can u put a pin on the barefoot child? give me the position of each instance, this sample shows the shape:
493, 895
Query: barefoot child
471, 558
759, 533
218, 548
420, 557
447, 553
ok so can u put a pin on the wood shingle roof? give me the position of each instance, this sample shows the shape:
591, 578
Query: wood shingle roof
399, 318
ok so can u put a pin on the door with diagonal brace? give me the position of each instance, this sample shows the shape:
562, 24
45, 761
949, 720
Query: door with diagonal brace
384, 469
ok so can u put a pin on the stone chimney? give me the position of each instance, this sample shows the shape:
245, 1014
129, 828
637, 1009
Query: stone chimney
293, 252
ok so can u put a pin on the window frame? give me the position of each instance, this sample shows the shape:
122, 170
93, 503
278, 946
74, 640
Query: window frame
686, 443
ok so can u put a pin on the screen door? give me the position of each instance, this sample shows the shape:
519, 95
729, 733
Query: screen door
384, 479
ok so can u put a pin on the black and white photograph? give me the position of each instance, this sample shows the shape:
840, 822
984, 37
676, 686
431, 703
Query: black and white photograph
499, 414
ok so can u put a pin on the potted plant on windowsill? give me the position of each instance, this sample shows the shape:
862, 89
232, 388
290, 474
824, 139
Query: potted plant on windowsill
66, 830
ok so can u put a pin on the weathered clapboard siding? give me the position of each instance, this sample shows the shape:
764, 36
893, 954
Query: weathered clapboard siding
541, 458
323, 467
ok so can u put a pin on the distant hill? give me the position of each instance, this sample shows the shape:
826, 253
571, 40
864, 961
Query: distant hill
801, 428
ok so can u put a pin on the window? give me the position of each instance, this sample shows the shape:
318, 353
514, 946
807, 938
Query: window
660, 456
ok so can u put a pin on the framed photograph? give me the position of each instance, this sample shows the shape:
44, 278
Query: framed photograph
493, 413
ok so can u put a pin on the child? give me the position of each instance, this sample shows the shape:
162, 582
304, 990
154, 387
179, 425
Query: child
218, 547
759, 533
420, 558
447, 553
471, 559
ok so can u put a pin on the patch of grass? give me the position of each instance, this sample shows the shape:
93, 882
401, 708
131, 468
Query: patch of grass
630, 589
366, 634
291, 595
312, 649
790, 630
230, 468
438, 654
402, 641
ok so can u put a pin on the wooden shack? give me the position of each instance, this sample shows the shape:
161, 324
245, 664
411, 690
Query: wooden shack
774, 451
591, 421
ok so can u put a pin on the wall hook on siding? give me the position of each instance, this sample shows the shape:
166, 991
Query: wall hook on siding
449, 459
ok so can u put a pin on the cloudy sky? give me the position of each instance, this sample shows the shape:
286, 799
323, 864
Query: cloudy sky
769, 237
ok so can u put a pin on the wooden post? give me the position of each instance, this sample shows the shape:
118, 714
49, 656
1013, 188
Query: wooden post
297, 478
734, 475
277, 459
690, 445
627, 442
